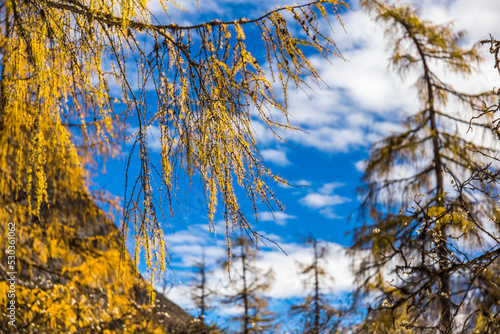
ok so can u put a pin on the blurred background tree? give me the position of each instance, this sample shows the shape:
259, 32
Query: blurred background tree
247, 285
430, 219
315, 313
202, 296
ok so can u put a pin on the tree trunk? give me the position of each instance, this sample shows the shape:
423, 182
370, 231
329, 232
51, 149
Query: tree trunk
445, 322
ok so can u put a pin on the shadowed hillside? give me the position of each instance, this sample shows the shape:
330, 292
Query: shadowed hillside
68, 276
67, 253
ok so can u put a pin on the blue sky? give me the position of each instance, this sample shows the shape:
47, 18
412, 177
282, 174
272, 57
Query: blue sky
361, 102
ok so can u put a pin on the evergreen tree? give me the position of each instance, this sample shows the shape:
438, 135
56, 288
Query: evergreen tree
248, 283
315, 313
201, 295
200, 292
428, 235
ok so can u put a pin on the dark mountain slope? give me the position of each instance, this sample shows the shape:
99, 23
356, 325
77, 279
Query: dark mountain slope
67, 253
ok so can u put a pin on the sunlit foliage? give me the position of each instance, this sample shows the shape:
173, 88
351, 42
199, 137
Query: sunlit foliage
67, 255
77, 63
429, 239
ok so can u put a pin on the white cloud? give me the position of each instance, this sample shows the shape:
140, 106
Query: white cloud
317, 201
296, 184
189, 244
279, 218
324, 199
328, 212
328, 188
478, 18
288, 283
364, 101
153, 137
276, 156
360, 165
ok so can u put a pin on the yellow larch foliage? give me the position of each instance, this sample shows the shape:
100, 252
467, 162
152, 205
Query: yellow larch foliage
65, 64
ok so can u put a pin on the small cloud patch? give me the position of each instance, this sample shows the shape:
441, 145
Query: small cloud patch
275, 156
324, 200
279, 218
